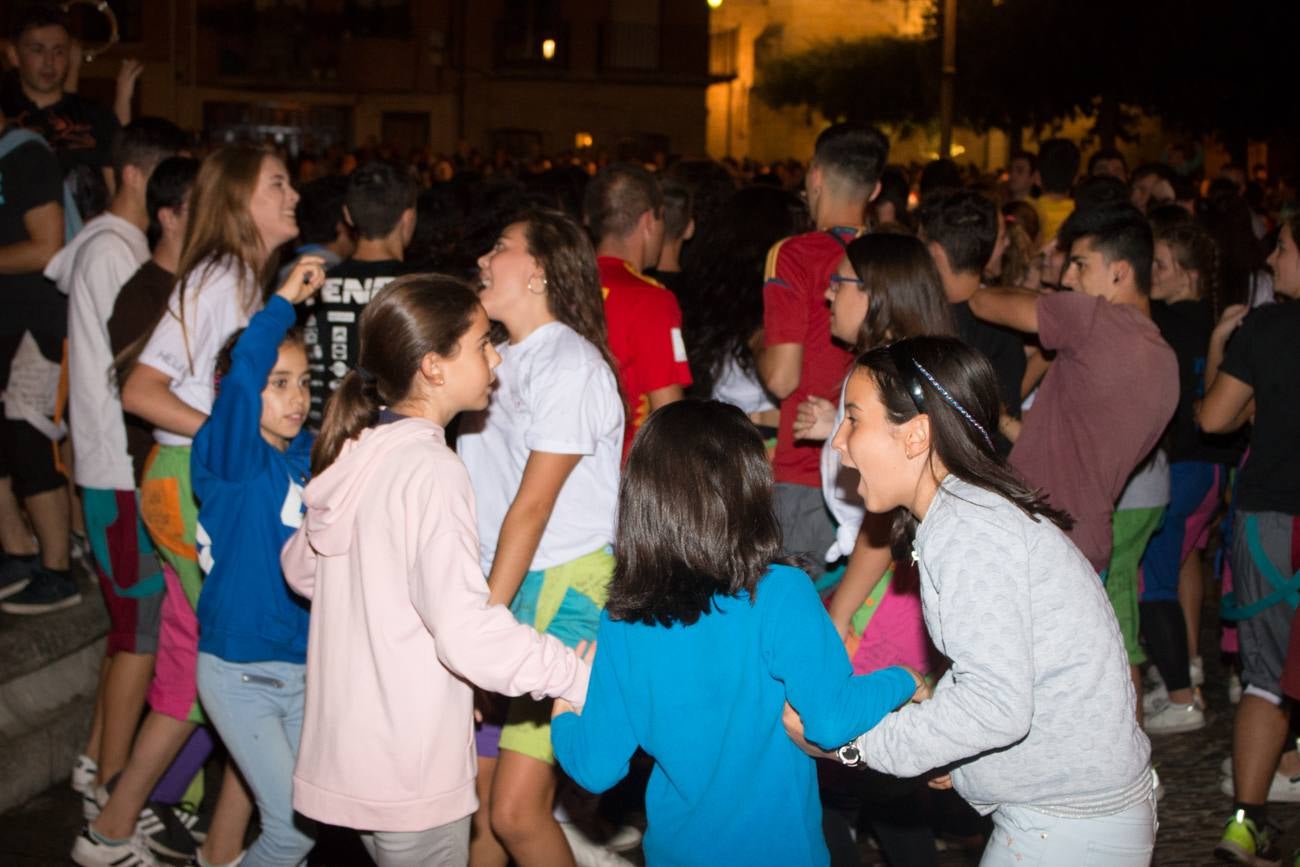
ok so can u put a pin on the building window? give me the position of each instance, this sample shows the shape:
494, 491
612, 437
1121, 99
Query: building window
724, 51
629, 38
532, 35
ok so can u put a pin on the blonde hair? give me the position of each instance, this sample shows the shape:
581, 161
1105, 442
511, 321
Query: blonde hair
220, 231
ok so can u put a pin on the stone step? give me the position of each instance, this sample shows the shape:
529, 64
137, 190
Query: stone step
49, 669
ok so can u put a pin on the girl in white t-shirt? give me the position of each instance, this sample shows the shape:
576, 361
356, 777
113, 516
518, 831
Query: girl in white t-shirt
544, 462
241, 209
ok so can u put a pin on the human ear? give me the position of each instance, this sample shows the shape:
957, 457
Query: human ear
431, 368
916, 436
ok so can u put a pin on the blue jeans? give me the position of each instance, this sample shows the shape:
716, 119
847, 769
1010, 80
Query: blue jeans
257, 709
1025, 838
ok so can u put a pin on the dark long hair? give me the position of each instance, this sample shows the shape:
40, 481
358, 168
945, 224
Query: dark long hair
695, 515
722, 304
1194, 249
964, 449
406, 320
903, 286
568, 260
1241, 255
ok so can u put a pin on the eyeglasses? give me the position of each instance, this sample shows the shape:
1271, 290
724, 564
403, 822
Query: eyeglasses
838, 279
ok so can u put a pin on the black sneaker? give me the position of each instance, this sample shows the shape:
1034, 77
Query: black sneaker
166, 830
48, 591
15, 574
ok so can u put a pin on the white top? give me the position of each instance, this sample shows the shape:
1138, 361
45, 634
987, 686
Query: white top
91, 270
741, 388
554, 393
214, 309
840, 491
1148, 487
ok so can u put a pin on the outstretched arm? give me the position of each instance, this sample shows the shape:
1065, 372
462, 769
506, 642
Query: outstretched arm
1013, 308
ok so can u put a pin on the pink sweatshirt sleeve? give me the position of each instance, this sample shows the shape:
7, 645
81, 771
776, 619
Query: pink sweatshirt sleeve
482, 643
298, 561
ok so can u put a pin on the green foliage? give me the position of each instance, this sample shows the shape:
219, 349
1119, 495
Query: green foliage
1203, 66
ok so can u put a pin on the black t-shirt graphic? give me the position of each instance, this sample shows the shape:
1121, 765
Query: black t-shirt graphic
330, 324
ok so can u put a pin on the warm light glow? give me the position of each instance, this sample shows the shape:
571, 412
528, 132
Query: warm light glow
714, 4
582, 140
548, 49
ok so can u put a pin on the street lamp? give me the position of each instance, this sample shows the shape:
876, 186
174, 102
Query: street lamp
548, 49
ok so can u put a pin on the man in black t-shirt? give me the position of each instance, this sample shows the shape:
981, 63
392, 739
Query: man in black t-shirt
80, 132
960, 229
380, 205
32, 330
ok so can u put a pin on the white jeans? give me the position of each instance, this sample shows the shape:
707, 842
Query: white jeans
1025, 838
433, 847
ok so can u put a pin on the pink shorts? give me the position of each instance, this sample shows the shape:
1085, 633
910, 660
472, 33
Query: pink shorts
174, 691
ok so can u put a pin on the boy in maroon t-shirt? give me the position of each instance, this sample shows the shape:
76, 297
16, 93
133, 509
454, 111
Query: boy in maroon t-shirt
1113, 387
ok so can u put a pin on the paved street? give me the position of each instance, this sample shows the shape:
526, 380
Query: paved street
1191, 814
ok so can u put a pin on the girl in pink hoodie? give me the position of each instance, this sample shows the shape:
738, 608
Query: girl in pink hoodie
401, 623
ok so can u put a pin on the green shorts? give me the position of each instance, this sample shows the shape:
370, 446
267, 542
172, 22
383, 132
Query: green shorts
564, 601
1132, 530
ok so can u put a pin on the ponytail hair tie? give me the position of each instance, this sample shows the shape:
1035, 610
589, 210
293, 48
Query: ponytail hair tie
366, 376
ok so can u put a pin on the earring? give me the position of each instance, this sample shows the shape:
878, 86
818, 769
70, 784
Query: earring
530, 286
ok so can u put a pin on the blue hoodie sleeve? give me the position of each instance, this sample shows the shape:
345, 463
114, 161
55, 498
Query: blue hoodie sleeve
594, 748
229, 446
804, 652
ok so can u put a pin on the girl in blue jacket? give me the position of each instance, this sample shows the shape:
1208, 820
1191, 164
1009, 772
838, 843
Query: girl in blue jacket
250, 463
704, 639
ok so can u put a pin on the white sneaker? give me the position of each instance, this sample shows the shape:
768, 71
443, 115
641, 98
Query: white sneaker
1172, 719
1196, 668
1154, 699
587, 852
90, 852
1283, 789
92, 803
84, 771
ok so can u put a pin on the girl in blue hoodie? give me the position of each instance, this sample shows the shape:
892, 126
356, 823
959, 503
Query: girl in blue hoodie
250, 464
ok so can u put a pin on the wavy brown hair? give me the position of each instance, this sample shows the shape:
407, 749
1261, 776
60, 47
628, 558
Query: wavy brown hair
409, 318
568, 261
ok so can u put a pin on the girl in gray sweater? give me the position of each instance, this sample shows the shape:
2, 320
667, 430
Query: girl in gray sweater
1034, 722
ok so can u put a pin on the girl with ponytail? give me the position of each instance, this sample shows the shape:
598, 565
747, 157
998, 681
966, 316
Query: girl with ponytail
544, 460
401, 623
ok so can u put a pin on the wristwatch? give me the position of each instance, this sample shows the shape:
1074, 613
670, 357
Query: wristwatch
849, 754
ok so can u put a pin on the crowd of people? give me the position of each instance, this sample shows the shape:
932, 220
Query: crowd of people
788, 504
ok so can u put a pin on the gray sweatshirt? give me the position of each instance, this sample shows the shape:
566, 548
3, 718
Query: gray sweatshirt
1037, 709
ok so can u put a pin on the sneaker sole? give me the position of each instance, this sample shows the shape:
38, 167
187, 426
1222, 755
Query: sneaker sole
18, 587
40, 608
1232, 852
1180, 729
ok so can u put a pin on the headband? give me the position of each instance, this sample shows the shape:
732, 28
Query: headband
905, 363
